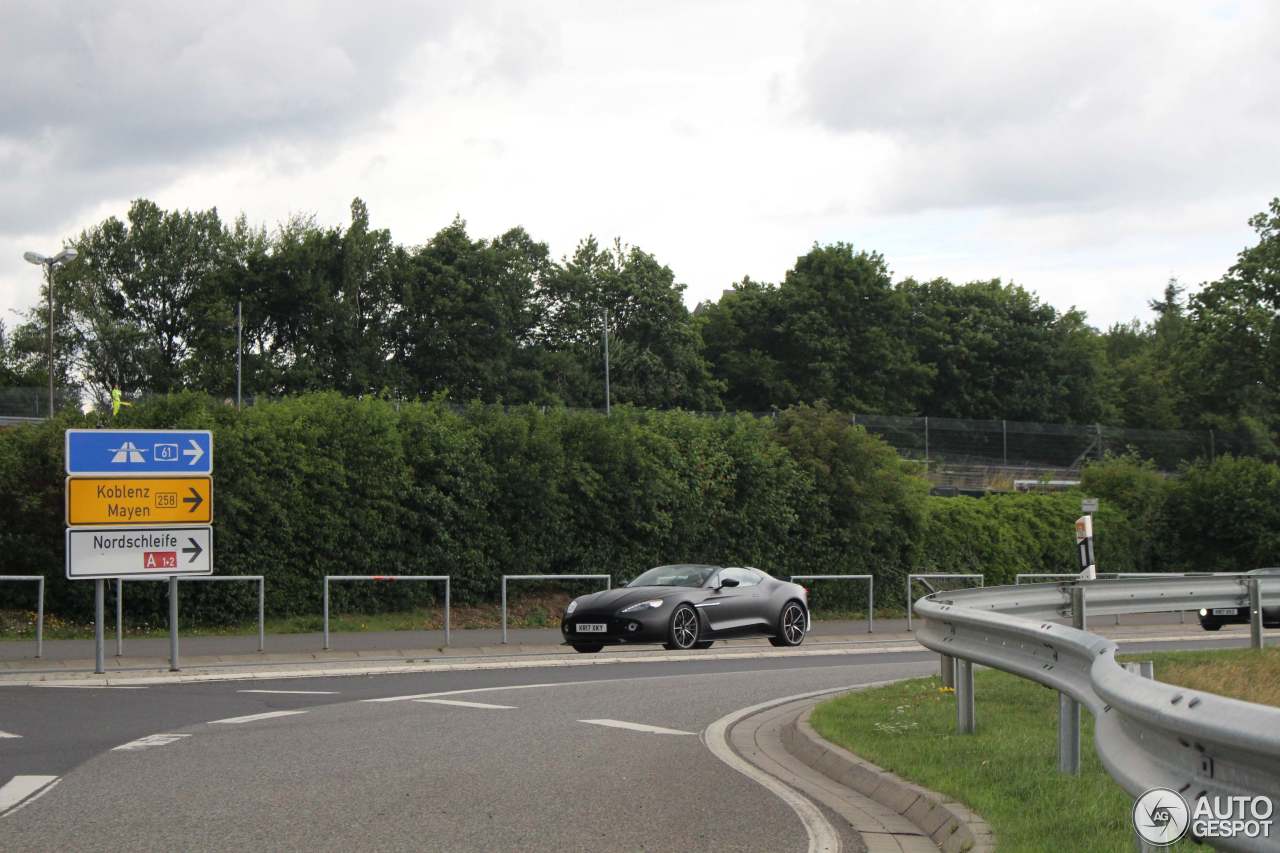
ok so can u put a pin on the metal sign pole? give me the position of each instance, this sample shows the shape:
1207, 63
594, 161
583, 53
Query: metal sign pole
99, 666
173, 624
1255, 613
262, 609
119, 617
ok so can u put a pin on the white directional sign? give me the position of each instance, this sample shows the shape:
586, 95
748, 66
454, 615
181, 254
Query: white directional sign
114, 552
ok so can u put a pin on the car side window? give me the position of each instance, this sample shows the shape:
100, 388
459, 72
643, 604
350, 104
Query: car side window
744, 577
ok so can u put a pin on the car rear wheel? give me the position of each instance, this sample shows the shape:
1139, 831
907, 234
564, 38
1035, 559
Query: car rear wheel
683, 633
791, 625
1211, 626
588, 648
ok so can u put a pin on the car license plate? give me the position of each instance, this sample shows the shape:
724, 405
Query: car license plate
1224, 611
591, 628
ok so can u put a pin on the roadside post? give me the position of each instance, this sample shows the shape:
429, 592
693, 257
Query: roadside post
139, 503
1084, 548
1256, 637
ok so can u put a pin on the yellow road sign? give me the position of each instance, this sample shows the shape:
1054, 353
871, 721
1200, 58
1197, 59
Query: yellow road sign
139, 500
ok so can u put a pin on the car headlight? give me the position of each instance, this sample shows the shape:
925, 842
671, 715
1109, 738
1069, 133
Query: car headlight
1204, 612
640, 605
573, 605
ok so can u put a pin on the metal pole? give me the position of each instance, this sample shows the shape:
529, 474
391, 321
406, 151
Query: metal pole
908, 602
1004, 437
446, 611
173, 624
948, 671
1147, 669
606, 372
326, 611
98, 665
262, 610
1256, 639
40, 618
964, 697
871, 605
1068, 735
119, 617
926, 442
239, 351
49, 278
1069, 708
504, 610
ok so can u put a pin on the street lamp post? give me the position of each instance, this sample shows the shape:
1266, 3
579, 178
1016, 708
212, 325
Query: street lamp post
49, 264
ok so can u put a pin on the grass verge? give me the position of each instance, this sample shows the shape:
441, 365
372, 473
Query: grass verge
1006, 772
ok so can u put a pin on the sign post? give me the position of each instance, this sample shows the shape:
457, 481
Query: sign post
138, 503
1084, 548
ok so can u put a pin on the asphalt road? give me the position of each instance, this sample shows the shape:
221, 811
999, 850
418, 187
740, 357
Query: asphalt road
330, 769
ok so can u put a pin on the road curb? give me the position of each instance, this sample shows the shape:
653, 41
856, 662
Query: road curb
953, 826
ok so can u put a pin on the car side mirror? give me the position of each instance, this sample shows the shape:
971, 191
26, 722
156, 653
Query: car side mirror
727, 582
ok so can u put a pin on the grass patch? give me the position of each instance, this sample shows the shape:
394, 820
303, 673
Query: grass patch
1006, 772
1249, 674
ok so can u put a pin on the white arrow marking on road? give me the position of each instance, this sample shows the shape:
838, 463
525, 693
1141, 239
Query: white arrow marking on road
195, 451
148, 741
255, 717
460, 704
19, 788
294, 692
8, 734
635, 727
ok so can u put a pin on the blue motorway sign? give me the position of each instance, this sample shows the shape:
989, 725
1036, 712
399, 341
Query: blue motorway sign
139, 451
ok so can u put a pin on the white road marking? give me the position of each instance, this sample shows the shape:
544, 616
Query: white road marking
148, 742
19, 788
823, 837
635, 727
416, 696
461, 704
295, 692
4, 735
250, 718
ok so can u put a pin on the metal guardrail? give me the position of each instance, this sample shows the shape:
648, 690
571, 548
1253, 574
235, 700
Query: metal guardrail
1147, 734
928, 576
871, 591
388, 578
608, 584
258, 579
39, 581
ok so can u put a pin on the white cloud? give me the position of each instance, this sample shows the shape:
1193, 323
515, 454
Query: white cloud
1087, 151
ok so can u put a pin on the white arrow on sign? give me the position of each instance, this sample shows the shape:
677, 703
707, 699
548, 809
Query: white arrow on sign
195, 451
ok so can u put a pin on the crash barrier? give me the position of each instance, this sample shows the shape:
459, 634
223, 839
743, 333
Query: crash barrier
258, 579
39, 581
1146, 733
388, 579
928, 576
608, 584
871, 591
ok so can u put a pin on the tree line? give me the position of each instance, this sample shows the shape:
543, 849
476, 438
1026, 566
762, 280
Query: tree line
150, 304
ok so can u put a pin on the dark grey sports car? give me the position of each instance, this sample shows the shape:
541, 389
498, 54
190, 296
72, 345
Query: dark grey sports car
689, 606
1219, 616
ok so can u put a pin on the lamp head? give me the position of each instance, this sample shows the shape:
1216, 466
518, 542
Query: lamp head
35, 258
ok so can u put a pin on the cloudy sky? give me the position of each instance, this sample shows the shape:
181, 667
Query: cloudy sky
1087, 151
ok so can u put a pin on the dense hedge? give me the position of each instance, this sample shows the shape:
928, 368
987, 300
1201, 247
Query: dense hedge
323, 484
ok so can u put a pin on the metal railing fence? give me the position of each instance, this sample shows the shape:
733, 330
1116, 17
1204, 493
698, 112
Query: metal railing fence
608, 584
388, 579
258, 579
871, 591
928, 576
39, 581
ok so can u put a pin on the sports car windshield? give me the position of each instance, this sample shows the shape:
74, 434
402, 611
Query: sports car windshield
675, 576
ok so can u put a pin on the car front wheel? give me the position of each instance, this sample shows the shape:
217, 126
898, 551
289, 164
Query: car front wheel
588, 648
791, 624
683, 633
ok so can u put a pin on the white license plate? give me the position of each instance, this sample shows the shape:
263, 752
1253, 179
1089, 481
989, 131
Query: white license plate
1224, 611
591, 628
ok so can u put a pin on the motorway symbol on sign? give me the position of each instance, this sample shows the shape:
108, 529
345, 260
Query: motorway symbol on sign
139, 500
113, 552
139, 451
